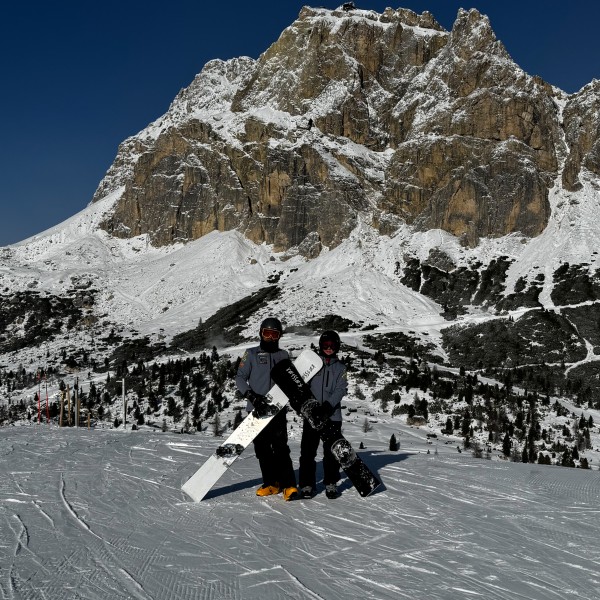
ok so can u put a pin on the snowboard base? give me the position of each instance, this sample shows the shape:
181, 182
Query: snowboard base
201, 482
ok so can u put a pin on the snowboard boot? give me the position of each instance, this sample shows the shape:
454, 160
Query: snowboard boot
290, 493
331, 491
268, 490
307, 491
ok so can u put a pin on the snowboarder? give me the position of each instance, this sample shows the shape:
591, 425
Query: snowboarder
328, 386
253, 380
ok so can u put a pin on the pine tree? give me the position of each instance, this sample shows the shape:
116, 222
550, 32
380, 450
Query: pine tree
161, 390
217, 425
466, 423
237, 419
449, 426
515, 454
567, 459
174, 409
393, 443
187, 425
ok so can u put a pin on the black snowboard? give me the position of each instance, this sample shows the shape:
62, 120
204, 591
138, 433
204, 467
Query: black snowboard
301, 399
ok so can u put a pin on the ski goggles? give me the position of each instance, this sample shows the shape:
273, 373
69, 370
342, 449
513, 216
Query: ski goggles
270, 335
328, 345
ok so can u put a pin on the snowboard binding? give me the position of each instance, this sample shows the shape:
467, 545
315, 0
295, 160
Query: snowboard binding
229, 450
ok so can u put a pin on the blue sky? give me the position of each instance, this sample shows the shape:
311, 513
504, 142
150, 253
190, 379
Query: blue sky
79, 77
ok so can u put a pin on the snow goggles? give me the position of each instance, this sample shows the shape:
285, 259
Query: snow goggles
328, 345
270, 335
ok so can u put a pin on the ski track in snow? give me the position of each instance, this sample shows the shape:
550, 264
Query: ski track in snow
100, 514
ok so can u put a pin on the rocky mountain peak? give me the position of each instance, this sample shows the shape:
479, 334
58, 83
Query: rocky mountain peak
354, 115
472, 34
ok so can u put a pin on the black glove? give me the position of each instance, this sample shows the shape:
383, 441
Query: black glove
260, 403
317, 414
328, 408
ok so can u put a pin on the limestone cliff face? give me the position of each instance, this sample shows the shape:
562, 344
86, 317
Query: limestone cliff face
582, 132
354, 114
481, 149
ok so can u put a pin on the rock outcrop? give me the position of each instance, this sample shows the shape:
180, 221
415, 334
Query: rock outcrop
355, 114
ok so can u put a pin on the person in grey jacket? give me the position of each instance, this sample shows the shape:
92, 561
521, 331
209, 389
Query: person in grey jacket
253, 380
328, 386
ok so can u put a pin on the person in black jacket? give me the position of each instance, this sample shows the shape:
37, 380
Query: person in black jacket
328, 386
253, 380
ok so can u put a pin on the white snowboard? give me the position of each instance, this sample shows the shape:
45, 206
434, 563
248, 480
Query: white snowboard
200, 483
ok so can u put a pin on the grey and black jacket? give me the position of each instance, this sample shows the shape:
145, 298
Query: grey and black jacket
254, 371
330, 384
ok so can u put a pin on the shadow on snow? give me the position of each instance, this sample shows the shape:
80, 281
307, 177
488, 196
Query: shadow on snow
374, 459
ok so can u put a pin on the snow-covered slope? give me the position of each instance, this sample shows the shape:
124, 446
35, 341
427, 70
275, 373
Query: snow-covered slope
170, 288
100, 515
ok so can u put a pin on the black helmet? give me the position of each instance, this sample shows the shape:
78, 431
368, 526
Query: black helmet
272, 324
330, 337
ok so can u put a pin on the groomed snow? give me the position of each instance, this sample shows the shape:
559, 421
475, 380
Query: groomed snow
99, 514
